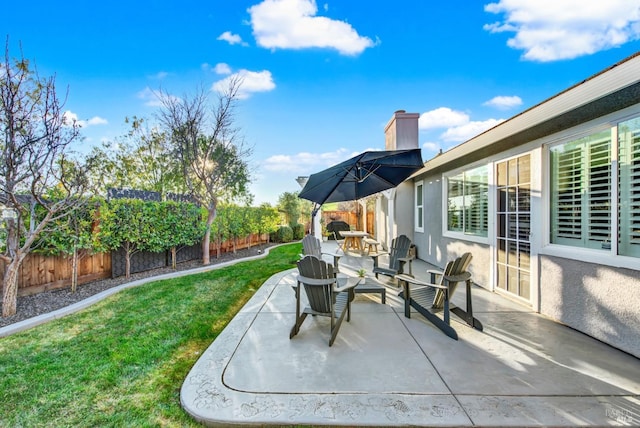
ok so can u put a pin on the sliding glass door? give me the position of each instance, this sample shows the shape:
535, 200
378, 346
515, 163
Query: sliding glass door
513, 266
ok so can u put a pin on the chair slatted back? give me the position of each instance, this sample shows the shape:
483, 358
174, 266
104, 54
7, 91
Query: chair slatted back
311, 246
453, 268
399, 249
320, 296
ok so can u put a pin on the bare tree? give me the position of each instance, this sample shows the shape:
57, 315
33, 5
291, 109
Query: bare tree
35, 171
211, 154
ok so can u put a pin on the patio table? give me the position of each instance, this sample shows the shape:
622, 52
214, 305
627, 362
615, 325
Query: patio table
353, 240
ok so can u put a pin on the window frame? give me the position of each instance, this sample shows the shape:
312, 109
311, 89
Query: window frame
461, 234
607, 257
577, 213
418, 217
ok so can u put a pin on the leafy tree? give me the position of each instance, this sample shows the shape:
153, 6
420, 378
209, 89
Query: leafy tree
220, 228
141, 159
35, 157
178, 224
72, 236
268, 220
129, 223
235, 224
250, 222
211, 155
289, 204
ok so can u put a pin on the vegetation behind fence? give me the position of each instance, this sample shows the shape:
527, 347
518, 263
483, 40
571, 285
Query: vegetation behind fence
40, 272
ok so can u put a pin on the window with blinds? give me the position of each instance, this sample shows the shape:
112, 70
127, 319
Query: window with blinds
629, 188
581, 192
467, 202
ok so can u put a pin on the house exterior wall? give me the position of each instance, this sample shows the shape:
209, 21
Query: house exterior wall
382, 221
595, 293
404, 216
437, 249
601, 301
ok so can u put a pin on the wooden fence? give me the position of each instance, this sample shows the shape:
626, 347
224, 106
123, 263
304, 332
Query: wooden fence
351, 218
40, 273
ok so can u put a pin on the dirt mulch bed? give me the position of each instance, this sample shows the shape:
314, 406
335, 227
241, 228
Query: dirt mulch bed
48, 301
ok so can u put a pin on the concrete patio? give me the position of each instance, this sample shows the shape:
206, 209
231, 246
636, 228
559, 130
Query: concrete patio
388, 370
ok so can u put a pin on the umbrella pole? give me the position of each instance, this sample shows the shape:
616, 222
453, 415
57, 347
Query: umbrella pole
314, 212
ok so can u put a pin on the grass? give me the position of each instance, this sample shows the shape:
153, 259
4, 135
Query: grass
122, 361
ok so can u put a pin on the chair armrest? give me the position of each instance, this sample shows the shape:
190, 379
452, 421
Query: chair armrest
375, 258
457, 278
351, 282
434, 274
411, 280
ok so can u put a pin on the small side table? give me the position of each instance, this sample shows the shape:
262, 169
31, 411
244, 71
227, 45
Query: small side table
372, 286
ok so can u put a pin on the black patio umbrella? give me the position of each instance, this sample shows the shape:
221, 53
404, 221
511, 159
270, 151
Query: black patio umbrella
363, 175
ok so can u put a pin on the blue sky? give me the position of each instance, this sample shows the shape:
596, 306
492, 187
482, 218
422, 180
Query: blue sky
321, 79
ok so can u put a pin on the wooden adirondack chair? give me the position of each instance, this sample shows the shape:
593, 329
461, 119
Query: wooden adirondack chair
311, 246
398, 257
429, 298
328, 295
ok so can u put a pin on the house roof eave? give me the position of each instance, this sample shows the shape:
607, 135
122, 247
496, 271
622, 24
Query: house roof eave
611, 90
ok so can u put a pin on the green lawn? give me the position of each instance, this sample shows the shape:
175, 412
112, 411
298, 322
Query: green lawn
122, 361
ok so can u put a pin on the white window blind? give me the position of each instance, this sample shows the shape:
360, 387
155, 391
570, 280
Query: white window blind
581, 192
629, 187
467, 202
599, 191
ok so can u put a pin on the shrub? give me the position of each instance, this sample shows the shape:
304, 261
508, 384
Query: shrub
283, 234
298, 231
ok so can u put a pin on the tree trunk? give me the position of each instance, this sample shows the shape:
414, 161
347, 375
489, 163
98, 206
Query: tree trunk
10, 282
127, 261
74, 270
10, 288
211, 215
173, 257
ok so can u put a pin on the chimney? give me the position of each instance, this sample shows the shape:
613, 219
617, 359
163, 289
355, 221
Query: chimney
402, 131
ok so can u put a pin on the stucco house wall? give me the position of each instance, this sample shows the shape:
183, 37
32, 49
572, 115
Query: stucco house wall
591, 290
601, 301
404, 216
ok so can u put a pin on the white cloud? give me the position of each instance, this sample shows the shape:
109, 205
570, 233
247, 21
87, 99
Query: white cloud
222, 68
232, 39
150, 97
293, 24
305, 163
71, 117
464, 132
431, 146
96, 120
442, 117
252, 81
504, 102
549, 30
161, 75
